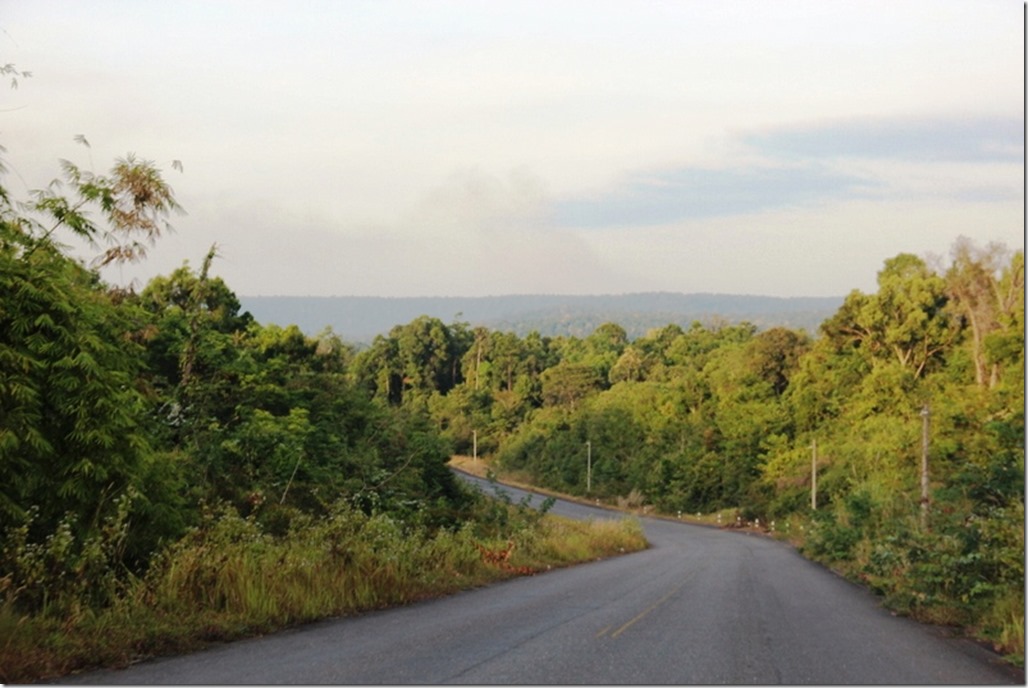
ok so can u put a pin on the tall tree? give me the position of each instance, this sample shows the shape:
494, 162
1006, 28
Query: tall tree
905, 320
986, 286
566, 384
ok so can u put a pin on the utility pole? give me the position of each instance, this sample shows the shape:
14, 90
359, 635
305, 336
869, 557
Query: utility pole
925, 414
588, 466
813, 475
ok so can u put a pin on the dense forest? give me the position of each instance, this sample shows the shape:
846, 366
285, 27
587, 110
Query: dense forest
128, 421
173, 472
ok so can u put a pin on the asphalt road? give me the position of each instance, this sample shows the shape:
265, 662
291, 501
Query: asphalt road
700, 606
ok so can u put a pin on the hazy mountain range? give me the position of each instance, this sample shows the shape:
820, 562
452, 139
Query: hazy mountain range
358, 319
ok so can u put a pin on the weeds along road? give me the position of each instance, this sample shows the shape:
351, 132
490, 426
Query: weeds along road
700, 606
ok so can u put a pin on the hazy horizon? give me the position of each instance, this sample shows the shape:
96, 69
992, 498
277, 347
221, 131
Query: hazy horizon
361, 318
536, 294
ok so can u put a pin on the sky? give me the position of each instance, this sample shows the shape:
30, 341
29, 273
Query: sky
473, 148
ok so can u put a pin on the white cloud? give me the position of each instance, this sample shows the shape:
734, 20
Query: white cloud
366, 147
821, 250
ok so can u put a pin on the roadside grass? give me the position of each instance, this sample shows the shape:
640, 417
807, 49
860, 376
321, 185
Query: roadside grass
565, 541
1003, 625
229, 579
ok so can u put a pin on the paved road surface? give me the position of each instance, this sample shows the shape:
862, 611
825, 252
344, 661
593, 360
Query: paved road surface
700, 606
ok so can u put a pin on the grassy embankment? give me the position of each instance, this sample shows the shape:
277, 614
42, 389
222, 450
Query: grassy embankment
229, 579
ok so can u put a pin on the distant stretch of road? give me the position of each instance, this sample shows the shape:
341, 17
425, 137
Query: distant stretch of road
701, 606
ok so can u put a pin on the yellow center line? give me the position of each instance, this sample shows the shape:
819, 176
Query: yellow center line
646, 611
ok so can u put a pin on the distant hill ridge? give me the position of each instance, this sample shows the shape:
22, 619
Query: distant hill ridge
358, 319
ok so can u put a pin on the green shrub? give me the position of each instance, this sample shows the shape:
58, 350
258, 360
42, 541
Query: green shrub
64, 572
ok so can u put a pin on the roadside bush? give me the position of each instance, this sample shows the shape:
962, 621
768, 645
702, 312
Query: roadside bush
64, 572
829, 538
